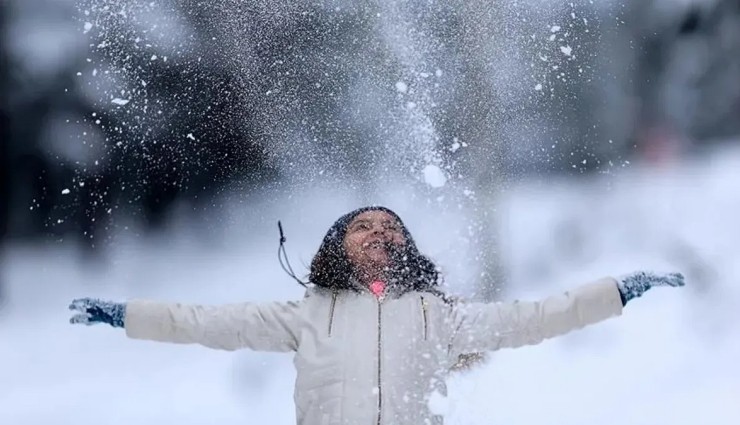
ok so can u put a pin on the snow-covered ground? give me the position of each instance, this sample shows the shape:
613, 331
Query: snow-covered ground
671, 359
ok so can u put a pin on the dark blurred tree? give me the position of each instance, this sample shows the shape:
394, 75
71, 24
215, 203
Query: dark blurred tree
680, 71
186, 139
185, 132
4, 141
4, 125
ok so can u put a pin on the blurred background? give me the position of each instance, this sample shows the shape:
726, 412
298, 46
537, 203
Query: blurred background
148, 149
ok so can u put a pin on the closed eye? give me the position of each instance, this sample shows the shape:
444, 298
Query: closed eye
362, 225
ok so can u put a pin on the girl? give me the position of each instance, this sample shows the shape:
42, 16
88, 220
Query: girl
373, 337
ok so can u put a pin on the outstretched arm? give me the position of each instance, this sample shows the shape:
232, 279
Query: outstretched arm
491, 326
264, 327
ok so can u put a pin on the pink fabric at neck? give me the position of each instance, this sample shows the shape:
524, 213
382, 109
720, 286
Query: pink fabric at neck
377, 288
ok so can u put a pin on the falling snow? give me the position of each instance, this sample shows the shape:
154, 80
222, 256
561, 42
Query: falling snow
434, 176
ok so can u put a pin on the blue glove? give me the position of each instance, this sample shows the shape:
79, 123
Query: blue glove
635, 284
93, 311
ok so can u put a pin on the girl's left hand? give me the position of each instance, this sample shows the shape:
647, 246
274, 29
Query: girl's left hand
635, 284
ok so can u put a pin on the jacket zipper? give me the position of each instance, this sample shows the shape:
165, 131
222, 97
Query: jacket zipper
380, 352
331, 310
424, 315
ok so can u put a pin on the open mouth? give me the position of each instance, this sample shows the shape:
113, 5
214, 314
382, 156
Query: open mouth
376, 244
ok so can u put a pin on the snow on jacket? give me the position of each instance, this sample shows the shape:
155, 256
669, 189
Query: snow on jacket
361, 360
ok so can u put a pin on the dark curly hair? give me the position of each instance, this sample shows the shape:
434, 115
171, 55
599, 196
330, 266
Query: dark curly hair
330, 267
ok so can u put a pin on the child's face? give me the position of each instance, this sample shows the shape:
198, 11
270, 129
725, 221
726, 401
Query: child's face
367, 239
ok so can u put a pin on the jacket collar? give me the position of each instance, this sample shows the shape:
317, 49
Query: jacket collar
392, 289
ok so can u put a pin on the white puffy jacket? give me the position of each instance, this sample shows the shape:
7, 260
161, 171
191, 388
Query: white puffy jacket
365, 361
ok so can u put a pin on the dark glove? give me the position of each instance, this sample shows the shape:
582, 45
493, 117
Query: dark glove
635, 284
93, 311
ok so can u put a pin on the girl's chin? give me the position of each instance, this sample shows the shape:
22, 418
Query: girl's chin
377, 264
380, 262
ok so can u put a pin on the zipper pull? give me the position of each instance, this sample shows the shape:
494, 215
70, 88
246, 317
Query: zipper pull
377, 288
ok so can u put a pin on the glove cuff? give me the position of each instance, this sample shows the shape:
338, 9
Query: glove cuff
118, 314
633, 285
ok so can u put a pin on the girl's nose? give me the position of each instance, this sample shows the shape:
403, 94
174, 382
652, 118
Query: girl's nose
379, 229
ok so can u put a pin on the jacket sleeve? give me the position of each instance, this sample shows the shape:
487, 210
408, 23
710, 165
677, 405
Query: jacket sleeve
263, 327
491, 326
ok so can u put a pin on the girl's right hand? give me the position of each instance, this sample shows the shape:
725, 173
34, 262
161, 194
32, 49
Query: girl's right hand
92, 311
